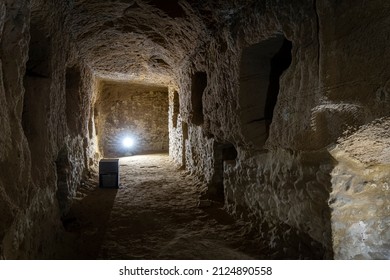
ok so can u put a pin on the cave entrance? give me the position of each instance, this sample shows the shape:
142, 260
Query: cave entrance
261, 67
131, 119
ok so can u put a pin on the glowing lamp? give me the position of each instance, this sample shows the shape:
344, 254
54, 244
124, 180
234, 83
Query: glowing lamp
128, 142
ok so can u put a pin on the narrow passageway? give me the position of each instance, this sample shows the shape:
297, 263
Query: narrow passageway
155, 215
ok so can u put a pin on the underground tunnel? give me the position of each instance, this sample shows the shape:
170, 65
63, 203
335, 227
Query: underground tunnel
242, 129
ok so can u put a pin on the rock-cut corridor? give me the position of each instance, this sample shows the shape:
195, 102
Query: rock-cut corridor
155, 214
266, 126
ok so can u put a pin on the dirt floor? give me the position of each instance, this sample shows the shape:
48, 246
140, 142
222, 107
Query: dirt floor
154, 214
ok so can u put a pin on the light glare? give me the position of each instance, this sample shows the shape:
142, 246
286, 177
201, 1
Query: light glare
127, 142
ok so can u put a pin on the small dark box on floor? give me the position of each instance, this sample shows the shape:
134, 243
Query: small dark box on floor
109, 173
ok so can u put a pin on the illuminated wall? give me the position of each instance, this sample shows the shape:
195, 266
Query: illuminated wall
131, 110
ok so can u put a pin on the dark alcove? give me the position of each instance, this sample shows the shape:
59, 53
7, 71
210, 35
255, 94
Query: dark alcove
279, 63
261, 66
198, 85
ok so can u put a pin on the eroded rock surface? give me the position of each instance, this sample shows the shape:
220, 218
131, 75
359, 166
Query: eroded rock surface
257, 137
361, 193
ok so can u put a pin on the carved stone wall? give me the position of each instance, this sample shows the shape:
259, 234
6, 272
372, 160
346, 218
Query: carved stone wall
289, 168
138, 112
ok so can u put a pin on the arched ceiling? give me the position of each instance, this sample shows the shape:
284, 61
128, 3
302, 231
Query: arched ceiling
143, 40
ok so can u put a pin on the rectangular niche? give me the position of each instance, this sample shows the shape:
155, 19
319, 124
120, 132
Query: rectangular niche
198, 85
176, 108
37, 83
135, 111
73, 100
261, 67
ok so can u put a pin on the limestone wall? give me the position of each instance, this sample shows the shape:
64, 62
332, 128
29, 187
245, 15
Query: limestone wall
130, 110
355, 76
42, 151
331, 87
284, 192
361, 193
281, 168
176, 133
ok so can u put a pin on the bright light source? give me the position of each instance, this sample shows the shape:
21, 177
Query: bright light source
127, 142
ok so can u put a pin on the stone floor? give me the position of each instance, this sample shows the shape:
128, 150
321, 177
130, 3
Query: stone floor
154, 215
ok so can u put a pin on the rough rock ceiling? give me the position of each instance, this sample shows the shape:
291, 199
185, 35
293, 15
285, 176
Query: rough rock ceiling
144, 40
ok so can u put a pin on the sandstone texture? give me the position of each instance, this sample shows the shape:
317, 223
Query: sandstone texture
278, 108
